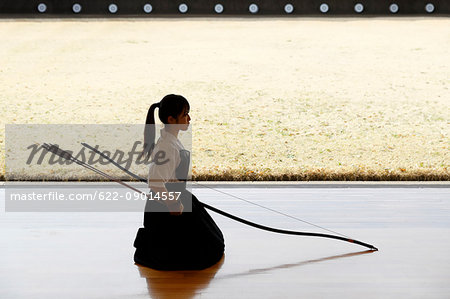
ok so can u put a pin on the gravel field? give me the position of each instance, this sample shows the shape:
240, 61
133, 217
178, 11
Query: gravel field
271, 99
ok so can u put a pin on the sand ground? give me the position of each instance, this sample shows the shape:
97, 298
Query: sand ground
271, 99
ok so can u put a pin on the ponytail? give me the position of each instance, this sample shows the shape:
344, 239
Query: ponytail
149, 132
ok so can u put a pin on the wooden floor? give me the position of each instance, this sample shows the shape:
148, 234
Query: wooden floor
90, 255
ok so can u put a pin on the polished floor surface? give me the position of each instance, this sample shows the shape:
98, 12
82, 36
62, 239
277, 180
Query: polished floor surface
90, 255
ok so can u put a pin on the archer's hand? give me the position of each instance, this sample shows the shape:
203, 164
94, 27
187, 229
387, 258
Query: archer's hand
175, 209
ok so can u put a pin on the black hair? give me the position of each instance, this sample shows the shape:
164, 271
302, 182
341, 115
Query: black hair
171, 105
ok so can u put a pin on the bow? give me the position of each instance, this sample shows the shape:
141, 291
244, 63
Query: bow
259, 226
66, 155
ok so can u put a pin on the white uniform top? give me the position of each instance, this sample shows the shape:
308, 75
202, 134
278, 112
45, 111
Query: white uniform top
171, 146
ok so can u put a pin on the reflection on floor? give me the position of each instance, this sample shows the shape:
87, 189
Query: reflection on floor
178, 284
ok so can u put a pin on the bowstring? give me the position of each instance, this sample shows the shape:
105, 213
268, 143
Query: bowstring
273, 210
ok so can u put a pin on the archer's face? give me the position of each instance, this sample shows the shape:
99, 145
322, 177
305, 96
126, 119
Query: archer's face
184, 119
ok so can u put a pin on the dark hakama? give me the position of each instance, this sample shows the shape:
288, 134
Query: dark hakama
190, 241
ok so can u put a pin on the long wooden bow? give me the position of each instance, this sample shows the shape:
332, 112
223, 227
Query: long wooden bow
66, 155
